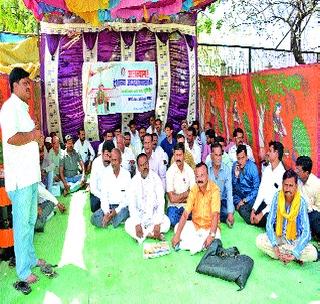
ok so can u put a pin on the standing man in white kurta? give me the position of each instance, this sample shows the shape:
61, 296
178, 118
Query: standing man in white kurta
146, 204
20, 139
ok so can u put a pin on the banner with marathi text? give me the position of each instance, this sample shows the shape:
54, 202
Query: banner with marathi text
118, 87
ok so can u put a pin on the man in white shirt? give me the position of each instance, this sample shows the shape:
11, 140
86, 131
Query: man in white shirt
151, 129
146, 204
180, 178
271, 182
135, 138
99, 167
158, 149
156, 162
238, 136
192, 145
84, 148
114, 194
309, 185
20, 140
107, 136
127, 156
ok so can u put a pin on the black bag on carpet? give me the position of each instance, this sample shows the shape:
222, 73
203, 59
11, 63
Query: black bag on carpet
227, 264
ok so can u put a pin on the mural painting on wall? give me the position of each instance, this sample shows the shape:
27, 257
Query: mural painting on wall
277, 105
287, 110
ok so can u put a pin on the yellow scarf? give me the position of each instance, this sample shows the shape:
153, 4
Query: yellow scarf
291, 233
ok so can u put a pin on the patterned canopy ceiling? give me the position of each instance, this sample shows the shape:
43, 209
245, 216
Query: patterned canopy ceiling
98, 11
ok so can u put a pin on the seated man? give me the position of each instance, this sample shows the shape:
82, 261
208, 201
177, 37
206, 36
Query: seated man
158, 150
169, 142
309, 186
156, 162
288, 230
127, 156
238, 136
192, 145
271, 182
54, 158
146, 204
84, 148
245, 183
210, 139
46, 204
188, 158
135, 138
220, 174
180, 179
71, 179
160, 133
204, 203
114, 194
99, 166
107, 136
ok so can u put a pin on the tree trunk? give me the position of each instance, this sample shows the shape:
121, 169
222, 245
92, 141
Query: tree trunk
296, 44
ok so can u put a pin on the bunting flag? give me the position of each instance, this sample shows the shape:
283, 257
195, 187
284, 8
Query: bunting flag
127, 54
90, 54
164, 75
51, 89
192, 107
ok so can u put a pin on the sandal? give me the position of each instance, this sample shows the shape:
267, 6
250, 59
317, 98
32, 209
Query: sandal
48, 270
22, 286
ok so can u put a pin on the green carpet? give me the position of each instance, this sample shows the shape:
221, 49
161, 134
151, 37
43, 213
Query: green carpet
115, 271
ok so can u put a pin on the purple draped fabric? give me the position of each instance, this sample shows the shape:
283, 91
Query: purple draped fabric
128, 38
90, 39
179, 94
70, 86
42, 75
53, 42
109, 49
145, 51
163, 37
191, 41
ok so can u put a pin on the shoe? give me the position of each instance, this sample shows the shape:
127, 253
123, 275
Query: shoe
23, 287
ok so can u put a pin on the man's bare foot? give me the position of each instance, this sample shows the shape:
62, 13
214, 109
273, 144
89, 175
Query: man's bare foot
41, 262
32, 278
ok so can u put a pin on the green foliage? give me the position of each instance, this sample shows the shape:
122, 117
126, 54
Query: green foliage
206, 86
230, 87
248, 129
300, 137
14, 17
266, 86
206, 21
220, 122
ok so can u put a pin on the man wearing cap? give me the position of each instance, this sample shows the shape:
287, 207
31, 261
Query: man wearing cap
20, 139
84, 148
71, 179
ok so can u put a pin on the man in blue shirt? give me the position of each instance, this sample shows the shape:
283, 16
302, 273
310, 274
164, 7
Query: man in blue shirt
288, 229
169, 142
220, 174
245, 183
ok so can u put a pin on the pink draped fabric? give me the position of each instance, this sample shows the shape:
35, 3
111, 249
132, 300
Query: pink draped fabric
33, 5
135, 8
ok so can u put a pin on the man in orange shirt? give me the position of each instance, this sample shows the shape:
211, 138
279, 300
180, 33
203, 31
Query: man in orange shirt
204, 203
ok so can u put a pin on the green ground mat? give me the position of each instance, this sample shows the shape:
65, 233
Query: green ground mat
107, 267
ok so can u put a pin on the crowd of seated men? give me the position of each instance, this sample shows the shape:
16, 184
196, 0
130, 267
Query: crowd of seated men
152, 179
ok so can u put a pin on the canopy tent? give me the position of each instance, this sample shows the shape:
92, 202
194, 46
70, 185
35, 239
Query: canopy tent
97, 11
64, 48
